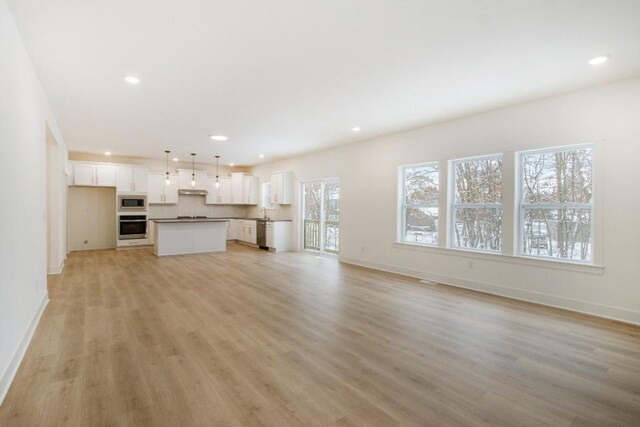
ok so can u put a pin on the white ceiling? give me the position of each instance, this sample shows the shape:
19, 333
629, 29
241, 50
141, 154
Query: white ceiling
283, 77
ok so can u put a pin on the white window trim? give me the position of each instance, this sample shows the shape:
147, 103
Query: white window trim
451, 182
521, 206
270, 205
322, 182
511, 188
554, 263
402, 206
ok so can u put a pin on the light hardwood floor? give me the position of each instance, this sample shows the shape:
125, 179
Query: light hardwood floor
253, 338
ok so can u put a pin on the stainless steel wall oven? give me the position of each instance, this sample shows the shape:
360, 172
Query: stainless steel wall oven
132, 227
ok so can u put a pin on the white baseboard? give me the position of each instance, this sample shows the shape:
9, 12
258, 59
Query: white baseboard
7, 376
600, 310
55, 269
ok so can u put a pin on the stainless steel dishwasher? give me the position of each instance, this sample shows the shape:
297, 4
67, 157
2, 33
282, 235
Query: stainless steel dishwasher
261, 233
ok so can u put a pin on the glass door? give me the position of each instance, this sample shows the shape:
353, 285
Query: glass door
321, 215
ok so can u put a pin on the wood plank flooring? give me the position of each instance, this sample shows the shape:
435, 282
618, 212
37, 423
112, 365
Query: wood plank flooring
249, 338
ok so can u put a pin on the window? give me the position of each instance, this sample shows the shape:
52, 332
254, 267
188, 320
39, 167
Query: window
266, 196
477, 205
556, 203
420, 204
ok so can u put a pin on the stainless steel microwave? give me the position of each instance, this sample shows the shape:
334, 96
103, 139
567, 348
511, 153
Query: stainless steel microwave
128, 203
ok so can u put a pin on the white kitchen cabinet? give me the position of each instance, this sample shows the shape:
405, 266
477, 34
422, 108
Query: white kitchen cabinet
105, 176
185, 176
225, 191
250, 190
279, 235
237, 188
220, 195
244, 189
213, 193
161, 193
232, 229
94, 175
131, 179
247, 231
84, 174
282, 187
171, 190
140, 180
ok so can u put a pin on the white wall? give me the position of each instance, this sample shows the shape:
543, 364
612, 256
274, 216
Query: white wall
25, 115
607, 115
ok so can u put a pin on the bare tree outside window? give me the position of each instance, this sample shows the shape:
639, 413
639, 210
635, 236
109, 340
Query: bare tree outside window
420, 204
331, 216
477, 208
321, 209
556, 203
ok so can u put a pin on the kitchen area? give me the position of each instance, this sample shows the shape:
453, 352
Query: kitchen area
178, 211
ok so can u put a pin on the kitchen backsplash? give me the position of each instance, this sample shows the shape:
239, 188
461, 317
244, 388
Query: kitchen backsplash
194, 206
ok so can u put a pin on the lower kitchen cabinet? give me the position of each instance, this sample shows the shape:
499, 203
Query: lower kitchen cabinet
279, 235
247, 231
232, 229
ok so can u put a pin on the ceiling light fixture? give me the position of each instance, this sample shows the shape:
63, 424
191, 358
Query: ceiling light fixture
218, 137
261, 156
355, 129
217, 180
598, 60
167, 179
193, 169
132, 80
107, 153
175, 159
231, 164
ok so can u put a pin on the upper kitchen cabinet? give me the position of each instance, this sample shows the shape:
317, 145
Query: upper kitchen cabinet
186, 175
244, 189
250, 190
95, 175
132, 179
84, 174
105, 176
220, 195
237, 187
159, 192
282, 187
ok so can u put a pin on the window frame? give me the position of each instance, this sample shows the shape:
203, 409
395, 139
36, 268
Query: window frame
404, 205
521, 205
266, 196
453, 205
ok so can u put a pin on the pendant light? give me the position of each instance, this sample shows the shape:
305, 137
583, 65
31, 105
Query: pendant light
167, 179
217, 180
193, 169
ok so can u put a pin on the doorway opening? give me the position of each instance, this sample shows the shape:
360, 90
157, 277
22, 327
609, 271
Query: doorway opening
55, 181
321, 216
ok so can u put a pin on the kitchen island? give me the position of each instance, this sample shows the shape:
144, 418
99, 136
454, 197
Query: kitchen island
189, 236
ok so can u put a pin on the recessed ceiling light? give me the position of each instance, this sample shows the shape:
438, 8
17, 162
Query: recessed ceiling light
231, 164
218, 137
597, 60
355, 129
175, 159
132, 80
261, 156
107, 153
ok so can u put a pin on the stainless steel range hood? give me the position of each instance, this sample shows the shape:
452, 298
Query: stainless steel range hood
192, 192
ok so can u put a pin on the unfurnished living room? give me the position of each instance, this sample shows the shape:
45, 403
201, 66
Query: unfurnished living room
320, 213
